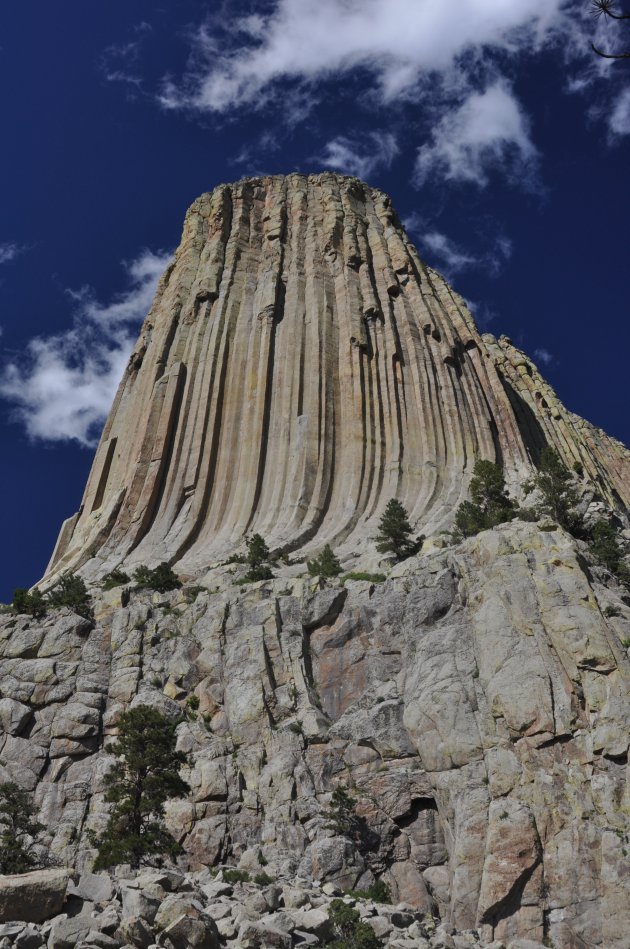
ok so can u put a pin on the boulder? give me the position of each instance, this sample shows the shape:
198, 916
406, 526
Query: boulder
32, 897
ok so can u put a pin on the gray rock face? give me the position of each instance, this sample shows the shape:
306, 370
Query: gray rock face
476, 706
32, 897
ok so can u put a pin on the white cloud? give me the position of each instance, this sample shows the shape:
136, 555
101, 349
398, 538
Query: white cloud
543, 356
63, 387
396, 41
9, 252
360, 157
619, 119
450, 257
488, 131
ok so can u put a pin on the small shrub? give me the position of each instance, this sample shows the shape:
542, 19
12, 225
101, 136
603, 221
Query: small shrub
349, 929
115, 578
263, 879
29, 603
611, 611
236, 876
326, 565
262, 860
71, 591
342, 817
394, 530
162, 579
361, 575
379, 892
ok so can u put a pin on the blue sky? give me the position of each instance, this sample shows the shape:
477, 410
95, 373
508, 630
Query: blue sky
504, 142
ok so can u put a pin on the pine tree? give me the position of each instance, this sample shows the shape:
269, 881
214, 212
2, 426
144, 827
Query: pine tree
343, 819
162, 579
394, 531
31, 603
143, 779
17, 828
350, 930
605, 547
326, 565
71, 591
258, 555
555, 483
489, 504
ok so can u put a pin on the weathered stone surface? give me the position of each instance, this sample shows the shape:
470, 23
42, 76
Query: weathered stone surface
301, 366
32, 897
322, 368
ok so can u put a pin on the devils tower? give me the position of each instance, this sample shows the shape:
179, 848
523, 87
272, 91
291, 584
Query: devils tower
300, 367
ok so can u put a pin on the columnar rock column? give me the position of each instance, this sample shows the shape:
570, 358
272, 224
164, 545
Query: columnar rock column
299, 367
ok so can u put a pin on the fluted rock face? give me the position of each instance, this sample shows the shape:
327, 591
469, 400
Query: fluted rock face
301, 366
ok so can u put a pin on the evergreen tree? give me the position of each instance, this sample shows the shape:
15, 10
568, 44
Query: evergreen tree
17, 828
115, 578
351, 932
556, 485
489, 503
605, 547
71, 591
258, 555
162, 579
145, 776
31, 603
343, 819
326, 565
394, 531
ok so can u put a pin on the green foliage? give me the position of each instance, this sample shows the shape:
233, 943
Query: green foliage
162, 579
362, 575
144, 777
349, 929
258, 556
342, 817
236, 876
115, 578
71, 591
489, 504
326, 565
556, 485
611, 611
17, 829
605, 547
257, 551
394, 530
263, 879
29, 603
379, 892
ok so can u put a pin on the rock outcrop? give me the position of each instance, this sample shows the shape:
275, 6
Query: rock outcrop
301, 366
476, 704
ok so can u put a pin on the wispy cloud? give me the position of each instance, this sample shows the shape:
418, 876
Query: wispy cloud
452, 258
543, 356
62, 388
360, 157
619, 118
487, 131
9, 251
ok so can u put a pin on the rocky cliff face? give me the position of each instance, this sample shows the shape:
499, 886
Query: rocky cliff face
301, 366
475, 704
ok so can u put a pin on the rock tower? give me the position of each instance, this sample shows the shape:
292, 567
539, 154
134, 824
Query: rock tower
299, 367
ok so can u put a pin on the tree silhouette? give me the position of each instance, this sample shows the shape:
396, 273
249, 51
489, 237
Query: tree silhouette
606, 8
143, 779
